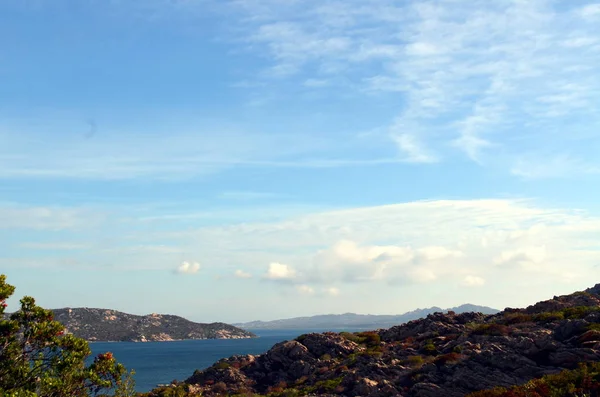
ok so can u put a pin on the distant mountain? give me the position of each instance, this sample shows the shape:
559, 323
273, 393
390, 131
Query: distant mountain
358, 321
103, 325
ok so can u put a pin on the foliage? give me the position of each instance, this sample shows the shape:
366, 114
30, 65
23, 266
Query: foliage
569, 313
583, 381
325, 386
38, 359
515, 318
222, 365
429, 348
370, 338
414, 361
491, 329
548, 317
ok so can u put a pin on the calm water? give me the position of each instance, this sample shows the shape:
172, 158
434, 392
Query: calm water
162, 362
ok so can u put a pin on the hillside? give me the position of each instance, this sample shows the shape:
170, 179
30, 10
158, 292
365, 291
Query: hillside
357, 321
111, 325
444, 354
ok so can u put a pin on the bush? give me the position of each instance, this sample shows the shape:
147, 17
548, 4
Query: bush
369, 338
491, 329
351, 337
38, 359
583, 381
325, 386
429, 348
548, 317
222, 365
414, 361
516, 318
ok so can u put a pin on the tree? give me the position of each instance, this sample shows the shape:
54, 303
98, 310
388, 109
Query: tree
38, 359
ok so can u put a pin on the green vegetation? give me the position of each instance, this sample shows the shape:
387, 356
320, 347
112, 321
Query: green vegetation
222, 365
414, 361
569, 313
491, 329
325, 386
584, 381
515, 318
429, 348
370, 339
37, 359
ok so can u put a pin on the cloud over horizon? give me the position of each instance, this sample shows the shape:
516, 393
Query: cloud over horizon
188, 268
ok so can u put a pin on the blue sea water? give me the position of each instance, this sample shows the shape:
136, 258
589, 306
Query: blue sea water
162, 362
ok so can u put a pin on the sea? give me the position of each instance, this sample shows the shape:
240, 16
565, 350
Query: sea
157, 363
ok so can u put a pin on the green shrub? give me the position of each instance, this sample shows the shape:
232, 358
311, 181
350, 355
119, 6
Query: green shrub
583, 381
579, 312
515, 318
351, 337
222, 365
37, 358
548, 317
325, 386
369, 338
429, 348
491, 329
414, 361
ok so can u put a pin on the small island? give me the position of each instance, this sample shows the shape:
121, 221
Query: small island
105, 325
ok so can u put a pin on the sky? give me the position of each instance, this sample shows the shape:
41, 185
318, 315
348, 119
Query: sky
239, 160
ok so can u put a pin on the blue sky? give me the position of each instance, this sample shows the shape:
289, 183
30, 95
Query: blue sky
259, 159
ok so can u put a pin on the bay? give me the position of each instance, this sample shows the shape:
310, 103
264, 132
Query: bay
162, 362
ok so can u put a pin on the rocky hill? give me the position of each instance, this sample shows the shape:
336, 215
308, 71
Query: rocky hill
444, 354
111, 325
357, 321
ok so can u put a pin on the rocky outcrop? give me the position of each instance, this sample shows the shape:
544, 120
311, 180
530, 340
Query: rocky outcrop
98, 325
444, 354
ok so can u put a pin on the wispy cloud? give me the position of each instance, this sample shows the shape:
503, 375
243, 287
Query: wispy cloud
16, 216
552, 166
55, 246
493, 80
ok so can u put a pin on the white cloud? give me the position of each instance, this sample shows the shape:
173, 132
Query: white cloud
332, 291
242, 274
305, 289
415, 243
280, 272
188, 268
374, 251
473, 281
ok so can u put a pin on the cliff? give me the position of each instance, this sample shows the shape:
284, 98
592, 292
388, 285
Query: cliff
444, 354
97, 325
